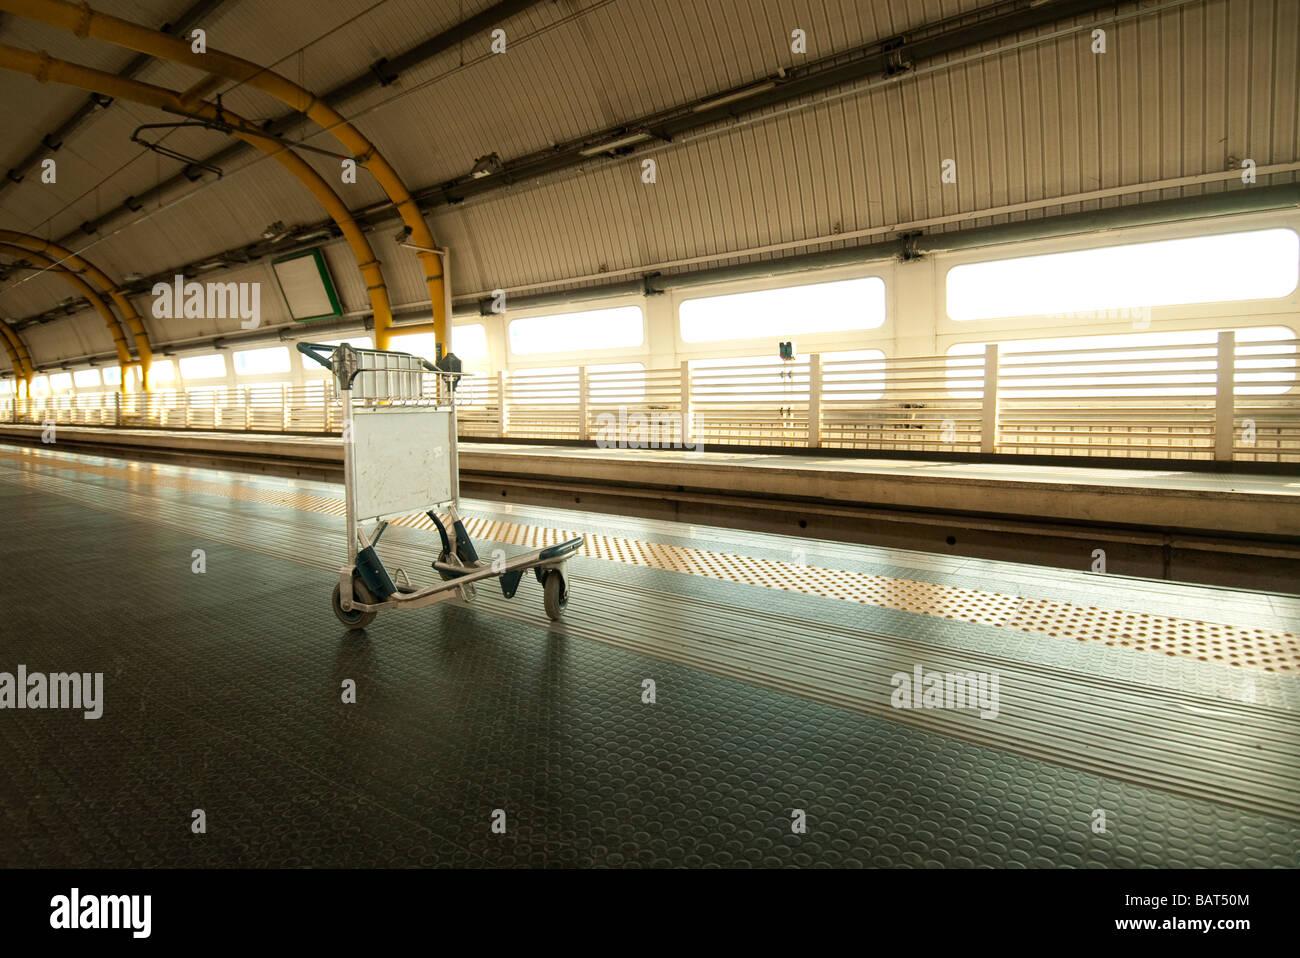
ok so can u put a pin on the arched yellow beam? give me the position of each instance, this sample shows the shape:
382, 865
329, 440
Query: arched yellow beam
114, 327
60, 254
19, 357
47, 69
80, 19
20, 373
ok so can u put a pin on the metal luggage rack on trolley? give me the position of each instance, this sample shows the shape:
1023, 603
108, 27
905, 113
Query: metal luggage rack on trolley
399, 457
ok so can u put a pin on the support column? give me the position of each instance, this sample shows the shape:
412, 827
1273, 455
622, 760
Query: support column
814, 401
989, 409
1224, 401
688, 437
583, 430
503, 418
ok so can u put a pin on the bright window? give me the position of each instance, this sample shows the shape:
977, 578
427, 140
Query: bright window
559, 384
161, 371
60, 382
856, 374
112, 375
417, 344
469, 342
785, 313
40, 386
616, 383
359, 342
6, 387
764, 379
266, 392
577, 332
1264, 264
212, 366
86, 378
206, 396
259, 362
1133, 364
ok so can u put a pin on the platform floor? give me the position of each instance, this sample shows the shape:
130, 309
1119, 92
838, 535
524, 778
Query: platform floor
1173, 709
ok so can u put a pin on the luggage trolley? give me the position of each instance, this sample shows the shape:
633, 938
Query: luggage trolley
399, 457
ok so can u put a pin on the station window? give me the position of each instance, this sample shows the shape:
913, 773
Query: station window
616, 383
841, 306
543, 386
162, 371
1132, 364
748, 379
359, 342
856, 374
60, 382
417, 344
112, 375
259, 362
559, 384
6, 387
212, 366
1089, 284
40, 386
469, 342
616, 328
266, 392
86, 378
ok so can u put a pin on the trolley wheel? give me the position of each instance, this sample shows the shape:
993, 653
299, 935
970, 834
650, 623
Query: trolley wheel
556, 592
356, 619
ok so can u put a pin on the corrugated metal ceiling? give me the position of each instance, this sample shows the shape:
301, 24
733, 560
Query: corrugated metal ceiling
1177, 92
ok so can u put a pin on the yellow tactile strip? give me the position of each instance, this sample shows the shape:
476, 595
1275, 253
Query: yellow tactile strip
1208, 641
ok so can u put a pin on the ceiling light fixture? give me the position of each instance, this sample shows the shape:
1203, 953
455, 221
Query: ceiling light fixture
629, 140
486, 166
733, 97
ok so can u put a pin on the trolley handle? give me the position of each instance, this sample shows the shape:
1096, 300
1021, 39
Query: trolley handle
309, 350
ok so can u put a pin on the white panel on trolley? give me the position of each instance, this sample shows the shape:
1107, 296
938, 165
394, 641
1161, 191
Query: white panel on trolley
402, 460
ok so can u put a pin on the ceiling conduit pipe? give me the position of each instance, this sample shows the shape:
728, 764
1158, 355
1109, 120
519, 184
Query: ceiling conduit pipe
57, 253
110, 320
47, 69
81, 20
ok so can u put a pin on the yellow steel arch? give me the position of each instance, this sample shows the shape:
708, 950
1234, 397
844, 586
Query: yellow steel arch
19, 357
110, 320
57, 253
47, 69
80, 19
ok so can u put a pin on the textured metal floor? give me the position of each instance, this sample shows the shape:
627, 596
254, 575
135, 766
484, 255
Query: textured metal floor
222, 693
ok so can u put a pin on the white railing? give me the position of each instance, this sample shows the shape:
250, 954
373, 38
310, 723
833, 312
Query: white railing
1222, 401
